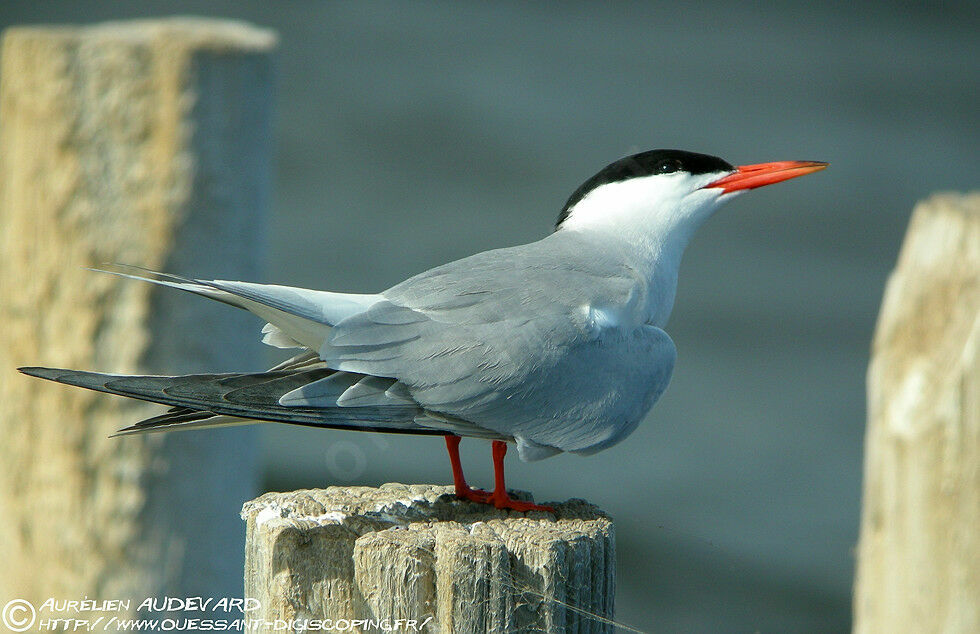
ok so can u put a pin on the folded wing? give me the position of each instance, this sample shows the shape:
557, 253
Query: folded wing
535, 345
509, 341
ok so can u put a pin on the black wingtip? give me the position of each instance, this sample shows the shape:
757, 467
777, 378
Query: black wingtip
78, 378
50, 374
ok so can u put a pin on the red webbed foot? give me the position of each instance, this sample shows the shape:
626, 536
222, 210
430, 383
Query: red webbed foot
501, 500
474, 495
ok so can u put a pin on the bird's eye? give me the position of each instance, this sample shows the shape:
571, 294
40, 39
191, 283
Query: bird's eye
667, 166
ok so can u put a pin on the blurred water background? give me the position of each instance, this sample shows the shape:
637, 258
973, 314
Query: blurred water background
410, 134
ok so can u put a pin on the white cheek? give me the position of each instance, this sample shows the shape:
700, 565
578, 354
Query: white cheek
627, 202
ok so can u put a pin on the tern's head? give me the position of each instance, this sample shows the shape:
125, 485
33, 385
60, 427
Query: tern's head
667, 190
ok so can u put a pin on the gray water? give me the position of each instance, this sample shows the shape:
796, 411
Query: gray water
412, 134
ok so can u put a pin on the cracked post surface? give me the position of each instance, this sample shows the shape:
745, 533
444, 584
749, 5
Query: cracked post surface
417, 552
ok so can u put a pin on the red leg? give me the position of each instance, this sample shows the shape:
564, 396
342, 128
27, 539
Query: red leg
499, 496
463, 491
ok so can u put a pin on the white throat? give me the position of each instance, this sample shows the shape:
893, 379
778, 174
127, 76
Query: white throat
653, 219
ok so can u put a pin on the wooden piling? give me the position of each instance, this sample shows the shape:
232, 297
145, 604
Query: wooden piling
919, 554
417, 553
145, 143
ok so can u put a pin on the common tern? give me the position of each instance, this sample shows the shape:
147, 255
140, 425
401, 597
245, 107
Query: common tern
555, 346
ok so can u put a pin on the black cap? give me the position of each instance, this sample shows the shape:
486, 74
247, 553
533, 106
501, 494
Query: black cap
646, 164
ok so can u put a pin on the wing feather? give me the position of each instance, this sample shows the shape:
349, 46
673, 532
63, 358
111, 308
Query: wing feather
296, 316
508, 340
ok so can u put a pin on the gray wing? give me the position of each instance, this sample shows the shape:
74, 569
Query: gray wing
543, 344
534, 343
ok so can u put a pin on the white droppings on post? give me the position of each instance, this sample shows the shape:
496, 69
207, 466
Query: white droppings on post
268, 513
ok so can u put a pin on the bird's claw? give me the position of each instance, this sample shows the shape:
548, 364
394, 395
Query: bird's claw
504, 501
500, 500
474, 495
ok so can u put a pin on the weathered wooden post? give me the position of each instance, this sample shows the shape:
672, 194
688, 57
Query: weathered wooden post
145, 143
361, 557
919, 553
